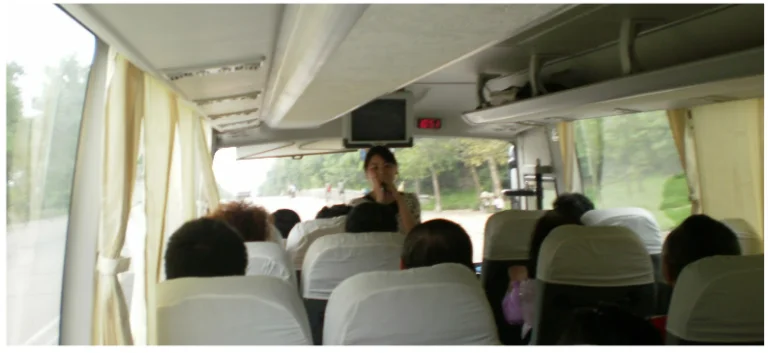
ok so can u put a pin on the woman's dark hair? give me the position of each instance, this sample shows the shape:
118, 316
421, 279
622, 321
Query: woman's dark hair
608, 325
382, 152
285, 220
205, 248
369, 217
573, 205
333, 211
435, 242
545, 225
699, 236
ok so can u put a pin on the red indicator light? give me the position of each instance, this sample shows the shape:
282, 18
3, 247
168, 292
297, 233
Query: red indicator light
429, 123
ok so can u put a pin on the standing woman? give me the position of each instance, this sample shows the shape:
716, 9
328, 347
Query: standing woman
380, 168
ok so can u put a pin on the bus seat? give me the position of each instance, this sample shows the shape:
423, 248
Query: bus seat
336, 257
583, 266
237, 310
507, 240
305, 233
267, 258
644, 224
718, 300
751, 242
274, 236
439, 305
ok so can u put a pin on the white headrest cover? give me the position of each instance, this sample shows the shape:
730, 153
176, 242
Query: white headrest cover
719, 299
305, 233
267, 258
274, 236
751, 242
594, 257
239, 310
336, 257
439, 305
508, 234
638, 220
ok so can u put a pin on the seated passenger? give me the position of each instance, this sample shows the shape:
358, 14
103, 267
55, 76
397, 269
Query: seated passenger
251, 221
333, 211
436, 242
205, 248
699, 236
371, 217
608, 326
284, 220
573, 205
519, 302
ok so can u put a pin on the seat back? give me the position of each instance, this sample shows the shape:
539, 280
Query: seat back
583, 266
305, 233
439, 305
274, 236
238, 310
267, 258
644, 225
719, 300
751, 242
507, 240
336, 257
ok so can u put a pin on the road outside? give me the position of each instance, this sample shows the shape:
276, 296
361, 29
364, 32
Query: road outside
35, 253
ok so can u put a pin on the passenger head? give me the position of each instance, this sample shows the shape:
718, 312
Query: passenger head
608, 326
545, 225
573, 205
284, 220
251, 221
371, 217
436, 242
334, 211
699, 236
205, 248
380, 163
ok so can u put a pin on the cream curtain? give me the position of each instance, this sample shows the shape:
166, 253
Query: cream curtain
681, 126
159, 132
124, 111
206, 166
188, 138
567, 152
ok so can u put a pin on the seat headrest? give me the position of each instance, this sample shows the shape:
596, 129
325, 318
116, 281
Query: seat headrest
336, 257
238, 310
594, 257
751, 242
508, 234
440, 305
267, 258
719, 299
274, 236
305, 233
640, 221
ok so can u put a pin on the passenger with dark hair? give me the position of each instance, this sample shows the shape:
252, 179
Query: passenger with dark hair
333, 211
608, 326
380, 167
285, 220
371, 217
435, 242
251, 221
205, 248
519, 302
573, 205
698, 237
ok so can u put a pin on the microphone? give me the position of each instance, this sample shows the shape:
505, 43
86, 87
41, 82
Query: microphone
383, 187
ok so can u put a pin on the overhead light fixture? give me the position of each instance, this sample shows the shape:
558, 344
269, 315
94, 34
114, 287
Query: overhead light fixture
249, 66
309, 34
237, 97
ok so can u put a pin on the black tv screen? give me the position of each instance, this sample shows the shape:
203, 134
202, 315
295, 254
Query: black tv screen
380, 120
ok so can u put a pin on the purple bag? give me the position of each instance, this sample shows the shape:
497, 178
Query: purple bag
512, 305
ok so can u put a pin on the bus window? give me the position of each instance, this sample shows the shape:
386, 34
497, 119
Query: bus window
48, 61
631, 160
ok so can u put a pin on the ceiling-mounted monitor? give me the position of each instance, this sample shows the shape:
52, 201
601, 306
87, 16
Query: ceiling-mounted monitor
386, 121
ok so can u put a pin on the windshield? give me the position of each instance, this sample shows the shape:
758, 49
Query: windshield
448, 177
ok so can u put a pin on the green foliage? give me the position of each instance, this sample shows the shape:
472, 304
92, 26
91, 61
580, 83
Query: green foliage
455, 200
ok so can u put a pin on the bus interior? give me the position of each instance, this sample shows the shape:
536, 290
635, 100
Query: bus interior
124, 121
